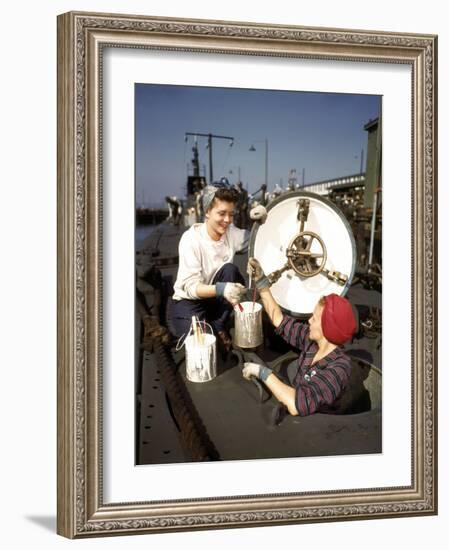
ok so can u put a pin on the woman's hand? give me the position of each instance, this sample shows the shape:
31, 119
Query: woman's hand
254, 270
254, 370
234, 293
251, 370
258, 213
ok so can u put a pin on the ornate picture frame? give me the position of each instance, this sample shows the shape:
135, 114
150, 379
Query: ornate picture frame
82, 40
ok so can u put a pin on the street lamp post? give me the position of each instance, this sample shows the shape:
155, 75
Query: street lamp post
252, 148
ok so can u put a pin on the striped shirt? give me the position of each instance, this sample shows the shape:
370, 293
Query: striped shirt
320, 386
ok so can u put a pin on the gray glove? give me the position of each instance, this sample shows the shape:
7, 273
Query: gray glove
255, 370
254, 270
233, 292
258, 213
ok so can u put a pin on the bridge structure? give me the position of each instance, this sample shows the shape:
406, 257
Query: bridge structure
324, 187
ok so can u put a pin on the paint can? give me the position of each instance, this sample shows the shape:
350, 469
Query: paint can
201, 356
248, 325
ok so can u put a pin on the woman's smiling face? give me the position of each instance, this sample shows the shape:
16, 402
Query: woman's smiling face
219, 217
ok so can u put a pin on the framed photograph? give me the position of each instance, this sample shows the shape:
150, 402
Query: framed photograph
334, 184
323, 141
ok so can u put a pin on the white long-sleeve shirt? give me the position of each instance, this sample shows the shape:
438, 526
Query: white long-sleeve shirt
200, 257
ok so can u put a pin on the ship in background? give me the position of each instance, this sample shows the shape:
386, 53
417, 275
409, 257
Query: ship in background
179, 421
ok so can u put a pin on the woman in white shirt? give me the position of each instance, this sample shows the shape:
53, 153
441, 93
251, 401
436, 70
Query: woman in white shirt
208, 284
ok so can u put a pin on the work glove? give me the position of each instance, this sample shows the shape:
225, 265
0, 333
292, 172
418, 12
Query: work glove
233, 292
258, 214
254, 370
255, 271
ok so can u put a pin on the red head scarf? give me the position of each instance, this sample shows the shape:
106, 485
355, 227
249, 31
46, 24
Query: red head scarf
337, 320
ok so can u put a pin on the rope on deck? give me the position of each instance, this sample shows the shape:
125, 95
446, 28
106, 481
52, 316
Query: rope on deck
194, 437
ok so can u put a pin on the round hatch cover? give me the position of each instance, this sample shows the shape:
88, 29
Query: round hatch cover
307, 247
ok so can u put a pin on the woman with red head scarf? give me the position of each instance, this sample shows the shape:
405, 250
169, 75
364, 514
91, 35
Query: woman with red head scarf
318, 377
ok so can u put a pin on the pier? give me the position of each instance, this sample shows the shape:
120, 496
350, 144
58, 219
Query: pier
151, 216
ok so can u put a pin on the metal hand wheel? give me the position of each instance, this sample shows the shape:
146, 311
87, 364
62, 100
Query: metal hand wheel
300, 256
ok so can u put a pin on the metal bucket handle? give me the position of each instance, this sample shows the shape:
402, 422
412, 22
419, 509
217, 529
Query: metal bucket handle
182, 339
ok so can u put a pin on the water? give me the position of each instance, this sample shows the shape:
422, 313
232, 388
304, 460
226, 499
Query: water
142, 233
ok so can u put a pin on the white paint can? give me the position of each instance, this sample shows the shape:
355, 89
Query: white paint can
248, 325
201, 358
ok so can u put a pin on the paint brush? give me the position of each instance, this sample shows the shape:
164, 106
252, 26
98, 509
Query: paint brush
195, 329
200, 332
254, 297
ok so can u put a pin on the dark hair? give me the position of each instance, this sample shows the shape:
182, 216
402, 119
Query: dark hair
227, 195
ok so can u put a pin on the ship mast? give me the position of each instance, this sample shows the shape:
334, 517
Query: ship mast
195, 161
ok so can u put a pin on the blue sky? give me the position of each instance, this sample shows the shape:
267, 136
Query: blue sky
319, 132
